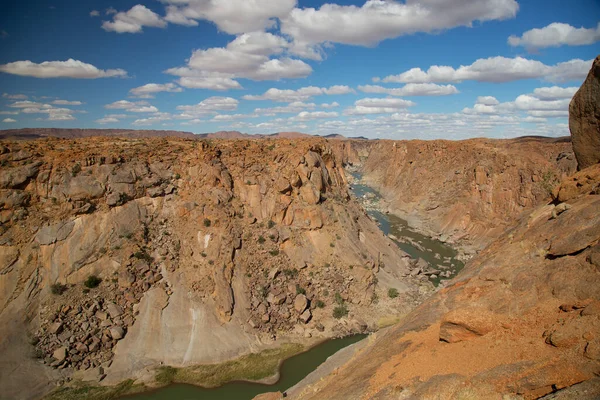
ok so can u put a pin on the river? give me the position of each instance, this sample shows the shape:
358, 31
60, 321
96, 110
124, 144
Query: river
438, 255
292, 371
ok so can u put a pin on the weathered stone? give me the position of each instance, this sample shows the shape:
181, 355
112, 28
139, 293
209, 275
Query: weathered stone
114, 310
60, 354
56, 328
305, 316
54, 233
300, 303
273, 273
584, 121
276, 299
117, 332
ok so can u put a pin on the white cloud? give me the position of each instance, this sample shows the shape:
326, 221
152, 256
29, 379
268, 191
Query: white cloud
231, 117
555, 35
66, 103
378, 106
94, 13
210, 105
107, 120
230, 16
377, 20
412, 89
247, 56
9, 120
138, 106
533, 105
9, 113
496, 69
14, 96
110, 11
54, 113
134, 20
28, 104
302, 94
148, 90
555, 92
487, 100
330, 105
60, 69
312, 115
294, 107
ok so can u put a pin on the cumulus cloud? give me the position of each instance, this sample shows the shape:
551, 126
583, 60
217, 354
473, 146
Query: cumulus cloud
211, 105
247, 56
302, 94
412, 89
496, 69
54, 113
290, 108
312, 115
378, 106
134, 20
107, 120
377, 20
555, 92
60, 69
137, 106
230, 16
148, 90
67, 103
555, 35
542, 103
14, 96
94, 13
487, 100
330, 105
231, 117
9, 120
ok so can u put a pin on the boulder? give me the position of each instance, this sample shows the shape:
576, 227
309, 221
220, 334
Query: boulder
300, 303
114, 310
305, 316
15, 177
583, 119
117, 333
60, 354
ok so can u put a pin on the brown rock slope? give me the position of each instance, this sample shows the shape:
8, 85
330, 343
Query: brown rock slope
466, 192
584, 117
206, 250
523, 318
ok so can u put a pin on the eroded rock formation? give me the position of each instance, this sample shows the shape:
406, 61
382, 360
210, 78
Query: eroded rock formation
584, 117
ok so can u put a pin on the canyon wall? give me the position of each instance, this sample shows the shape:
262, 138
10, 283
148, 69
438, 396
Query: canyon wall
206, 250
466, 192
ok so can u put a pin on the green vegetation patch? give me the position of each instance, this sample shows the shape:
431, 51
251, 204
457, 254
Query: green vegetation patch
83, 391
251, 367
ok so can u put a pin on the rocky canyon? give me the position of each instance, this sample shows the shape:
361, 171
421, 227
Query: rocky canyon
122, 254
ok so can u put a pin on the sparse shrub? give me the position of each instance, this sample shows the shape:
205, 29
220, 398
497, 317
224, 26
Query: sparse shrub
274, 252
340, 311
320, 304
392, 293
338, 298
290, 273
203, 254
271, 147
261, 240
270, 224
76, 169
272, 237
177, 176
58, 288
143, 255
300, 290
85, 290
331, 244
92, 281
327, 265
210, 262
325, 292
207, 222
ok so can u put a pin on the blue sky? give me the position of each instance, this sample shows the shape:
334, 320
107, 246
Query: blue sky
390, 69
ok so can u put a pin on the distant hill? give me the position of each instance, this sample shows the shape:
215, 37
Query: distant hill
37, 133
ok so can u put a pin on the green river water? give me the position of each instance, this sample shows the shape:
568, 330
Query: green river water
292, 371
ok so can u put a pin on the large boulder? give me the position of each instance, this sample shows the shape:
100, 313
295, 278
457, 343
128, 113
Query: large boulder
584, 119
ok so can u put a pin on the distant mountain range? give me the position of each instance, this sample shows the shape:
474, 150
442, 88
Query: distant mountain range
37, 133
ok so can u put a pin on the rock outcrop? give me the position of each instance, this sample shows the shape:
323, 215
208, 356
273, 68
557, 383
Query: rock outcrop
584, 119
